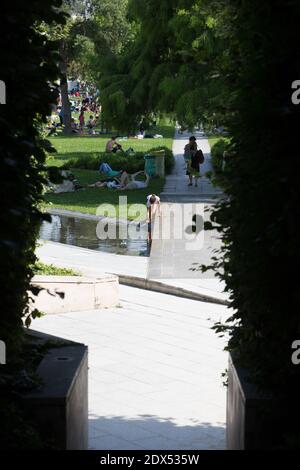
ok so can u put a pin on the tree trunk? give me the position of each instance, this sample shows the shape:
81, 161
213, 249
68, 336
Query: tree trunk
64, 91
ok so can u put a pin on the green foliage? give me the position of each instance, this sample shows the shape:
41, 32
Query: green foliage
232, 63
218, 154
118, 161
258, 220
173, 65
70, 147
99, 30
29, 95
88, 200
42, 269
29, 70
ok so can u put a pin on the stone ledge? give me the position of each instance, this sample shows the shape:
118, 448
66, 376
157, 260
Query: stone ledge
59, 407
63, 294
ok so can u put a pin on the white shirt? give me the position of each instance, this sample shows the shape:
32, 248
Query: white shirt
157, 200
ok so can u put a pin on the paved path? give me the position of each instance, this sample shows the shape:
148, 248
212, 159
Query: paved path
154, 371
171, 256
176, 188
155, 364
93, 263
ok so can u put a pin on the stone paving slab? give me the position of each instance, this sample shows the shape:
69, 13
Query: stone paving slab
154, 371
93, 263
170, 256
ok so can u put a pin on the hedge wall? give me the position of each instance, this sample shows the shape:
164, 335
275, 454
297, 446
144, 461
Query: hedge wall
28, 66
117, 161
259, 218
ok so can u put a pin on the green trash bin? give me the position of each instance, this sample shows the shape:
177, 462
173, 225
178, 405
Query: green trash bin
159, 162
150, 164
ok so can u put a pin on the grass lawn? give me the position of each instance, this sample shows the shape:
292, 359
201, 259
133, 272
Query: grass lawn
42, 269
88, 200
69, 147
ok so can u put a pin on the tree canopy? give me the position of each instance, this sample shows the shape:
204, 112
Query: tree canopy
174, 64
233, 63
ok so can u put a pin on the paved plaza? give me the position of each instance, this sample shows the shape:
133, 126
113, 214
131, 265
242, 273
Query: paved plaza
155, 364
154, 371
173, 254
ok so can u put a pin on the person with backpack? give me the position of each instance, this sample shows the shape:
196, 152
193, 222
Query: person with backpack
194, 171
189, 150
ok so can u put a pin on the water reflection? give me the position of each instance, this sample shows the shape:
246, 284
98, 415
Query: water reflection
82, 232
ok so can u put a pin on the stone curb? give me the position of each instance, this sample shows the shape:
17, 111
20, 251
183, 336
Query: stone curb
156, 286
82, 215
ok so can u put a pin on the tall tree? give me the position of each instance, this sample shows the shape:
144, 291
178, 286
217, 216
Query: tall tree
236, 61
172, 65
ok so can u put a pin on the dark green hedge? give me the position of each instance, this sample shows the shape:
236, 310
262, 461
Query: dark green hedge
259, 219
28, 67
118, 161
218, 154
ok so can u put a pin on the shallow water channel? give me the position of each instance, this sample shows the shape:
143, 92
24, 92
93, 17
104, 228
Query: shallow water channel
88, 233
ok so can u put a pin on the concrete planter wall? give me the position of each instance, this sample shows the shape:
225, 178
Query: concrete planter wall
246, 429
60, 407
79, 293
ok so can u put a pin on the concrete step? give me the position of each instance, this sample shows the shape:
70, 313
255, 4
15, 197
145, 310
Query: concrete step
192, 197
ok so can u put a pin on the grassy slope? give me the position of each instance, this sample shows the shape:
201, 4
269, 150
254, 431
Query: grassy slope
76, 146
88, 200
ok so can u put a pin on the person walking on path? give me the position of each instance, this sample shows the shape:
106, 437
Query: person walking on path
194, 170
189, 150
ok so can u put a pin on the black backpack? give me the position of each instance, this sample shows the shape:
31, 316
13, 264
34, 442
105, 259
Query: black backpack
201, 156
198, 158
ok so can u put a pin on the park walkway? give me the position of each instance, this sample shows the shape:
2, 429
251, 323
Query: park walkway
155, 364
171, 256
155, 370
176, 187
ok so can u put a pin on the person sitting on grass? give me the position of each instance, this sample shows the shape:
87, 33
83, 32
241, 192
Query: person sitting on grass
111, 145
91, 125
74, 126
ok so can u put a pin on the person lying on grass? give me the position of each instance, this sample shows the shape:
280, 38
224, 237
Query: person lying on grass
113, 181
107, 170
129, 181
126, 181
